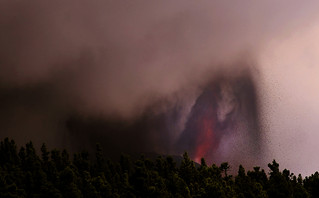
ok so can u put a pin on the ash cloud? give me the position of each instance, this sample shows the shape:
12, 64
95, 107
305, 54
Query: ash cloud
225, 118
129, 70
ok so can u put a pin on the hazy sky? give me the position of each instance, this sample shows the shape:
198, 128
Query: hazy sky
117, 58
291, 108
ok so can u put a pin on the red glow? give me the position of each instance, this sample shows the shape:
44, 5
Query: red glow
203, 127
205, 141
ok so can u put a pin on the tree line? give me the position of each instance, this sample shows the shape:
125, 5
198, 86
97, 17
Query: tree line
24, 173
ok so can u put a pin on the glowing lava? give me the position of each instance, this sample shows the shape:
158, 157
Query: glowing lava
205, 140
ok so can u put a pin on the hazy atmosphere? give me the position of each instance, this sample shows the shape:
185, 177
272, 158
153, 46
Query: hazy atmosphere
228, 81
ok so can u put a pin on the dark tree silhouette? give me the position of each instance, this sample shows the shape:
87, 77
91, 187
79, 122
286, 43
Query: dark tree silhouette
54, 174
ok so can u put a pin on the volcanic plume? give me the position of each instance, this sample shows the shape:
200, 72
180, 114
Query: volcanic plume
221, 124
163, 77
227, 109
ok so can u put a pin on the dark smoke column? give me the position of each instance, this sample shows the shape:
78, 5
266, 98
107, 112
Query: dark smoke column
223, 124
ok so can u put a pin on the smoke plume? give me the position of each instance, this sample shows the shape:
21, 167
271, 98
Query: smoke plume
142, 76
223, 120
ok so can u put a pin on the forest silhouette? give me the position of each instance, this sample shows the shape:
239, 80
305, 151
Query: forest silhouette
52, 173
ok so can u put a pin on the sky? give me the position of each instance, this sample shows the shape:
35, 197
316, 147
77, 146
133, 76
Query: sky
142, 74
